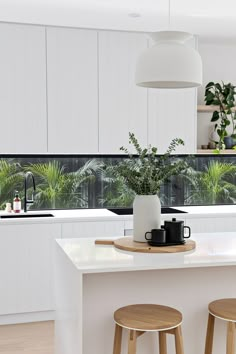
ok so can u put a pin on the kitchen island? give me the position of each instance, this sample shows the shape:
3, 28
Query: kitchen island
26, 241
92, 281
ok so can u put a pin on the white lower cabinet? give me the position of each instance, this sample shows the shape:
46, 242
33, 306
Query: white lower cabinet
26, 267
129, 223
93, 229
26, 261
212, 224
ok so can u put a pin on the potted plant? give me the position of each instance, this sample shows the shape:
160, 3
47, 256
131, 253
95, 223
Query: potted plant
144, 173
223, 96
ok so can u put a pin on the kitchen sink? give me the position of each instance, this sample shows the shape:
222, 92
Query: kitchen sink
167, 210
26, 215
129, 211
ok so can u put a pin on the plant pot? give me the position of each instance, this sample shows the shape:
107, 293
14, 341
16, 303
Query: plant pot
146, 215
229, 142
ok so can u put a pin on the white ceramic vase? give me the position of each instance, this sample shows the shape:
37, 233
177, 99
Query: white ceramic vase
146, 215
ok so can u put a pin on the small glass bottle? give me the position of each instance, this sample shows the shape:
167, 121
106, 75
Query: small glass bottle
16, 203
8, 207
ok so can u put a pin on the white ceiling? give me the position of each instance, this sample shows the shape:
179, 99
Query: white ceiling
205, 18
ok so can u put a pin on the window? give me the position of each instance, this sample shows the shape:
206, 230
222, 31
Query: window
74, 181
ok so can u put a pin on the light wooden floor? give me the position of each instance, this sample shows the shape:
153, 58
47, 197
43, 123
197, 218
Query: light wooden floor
27, 338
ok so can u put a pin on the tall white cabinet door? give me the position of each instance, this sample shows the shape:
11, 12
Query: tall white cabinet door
122, 104
22, 89
72, 90
26, 267
172, 114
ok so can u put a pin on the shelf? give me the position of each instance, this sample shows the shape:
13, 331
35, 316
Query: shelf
223, 152
206, 109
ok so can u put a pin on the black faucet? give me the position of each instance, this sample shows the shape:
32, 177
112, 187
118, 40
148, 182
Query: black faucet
26, 200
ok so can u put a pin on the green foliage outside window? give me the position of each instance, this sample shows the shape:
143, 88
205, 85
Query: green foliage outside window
214, 185
64, 184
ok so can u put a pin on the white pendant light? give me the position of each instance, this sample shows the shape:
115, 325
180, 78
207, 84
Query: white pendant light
170, 63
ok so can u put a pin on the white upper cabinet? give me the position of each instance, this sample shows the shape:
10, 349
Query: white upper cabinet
122, 104
72, 73
172, 114
22, 89
73, 91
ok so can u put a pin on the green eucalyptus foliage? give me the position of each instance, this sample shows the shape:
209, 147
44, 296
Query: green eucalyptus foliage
214, 185
145, 174
222, 95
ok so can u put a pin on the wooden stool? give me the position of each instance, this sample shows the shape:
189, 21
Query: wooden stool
224, 309
142, 318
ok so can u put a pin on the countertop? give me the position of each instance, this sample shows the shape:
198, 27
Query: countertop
212, 250
208, 210
77, 215
62, 216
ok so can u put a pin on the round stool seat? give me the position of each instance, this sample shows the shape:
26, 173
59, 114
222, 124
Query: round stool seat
147, 317
224, 309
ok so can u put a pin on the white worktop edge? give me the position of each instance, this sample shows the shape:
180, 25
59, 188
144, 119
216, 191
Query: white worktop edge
212, 250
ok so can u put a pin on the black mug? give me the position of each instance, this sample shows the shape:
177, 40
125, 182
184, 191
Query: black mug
157, 236
175, 231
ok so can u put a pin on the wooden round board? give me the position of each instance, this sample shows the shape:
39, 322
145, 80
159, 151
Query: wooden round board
127, 244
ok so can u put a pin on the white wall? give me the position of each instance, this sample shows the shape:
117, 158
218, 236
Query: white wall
218, 65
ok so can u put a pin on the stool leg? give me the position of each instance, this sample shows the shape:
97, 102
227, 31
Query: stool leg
230, 346
209, 334
162, 343
179, 347
132, 342
117, 340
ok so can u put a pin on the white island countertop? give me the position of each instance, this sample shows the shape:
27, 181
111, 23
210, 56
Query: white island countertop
212, 250
92, 281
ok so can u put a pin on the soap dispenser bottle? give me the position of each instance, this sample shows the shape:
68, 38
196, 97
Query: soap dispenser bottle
16, 203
